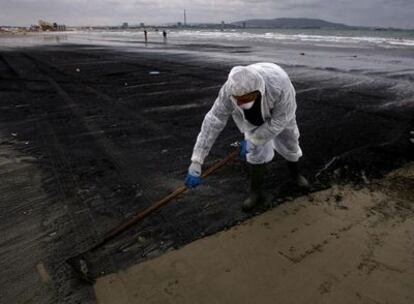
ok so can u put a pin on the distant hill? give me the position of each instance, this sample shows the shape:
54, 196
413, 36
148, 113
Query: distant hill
291, 23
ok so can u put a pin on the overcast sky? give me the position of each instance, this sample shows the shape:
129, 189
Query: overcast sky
395, 13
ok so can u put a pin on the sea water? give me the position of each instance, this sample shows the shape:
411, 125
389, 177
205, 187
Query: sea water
381, 38
376, 51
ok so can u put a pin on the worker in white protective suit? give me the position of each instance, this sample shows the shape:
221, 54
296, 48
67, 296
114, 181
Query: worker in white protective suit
261, 99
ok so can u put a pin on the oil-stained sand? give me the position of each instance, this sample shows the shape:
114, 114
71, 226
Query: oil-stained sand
90, 135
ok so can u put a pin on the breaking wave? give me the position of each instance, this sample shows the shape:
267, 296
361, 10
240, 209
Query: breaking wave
299, 37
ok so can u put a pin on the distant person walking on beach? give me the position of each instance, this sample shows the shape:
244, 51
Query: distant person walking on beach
146, 35
261, 99
164, 34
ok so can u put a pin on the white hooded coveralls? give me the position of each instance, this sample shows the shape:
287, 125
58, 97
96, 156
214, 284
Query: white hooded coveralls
278, 107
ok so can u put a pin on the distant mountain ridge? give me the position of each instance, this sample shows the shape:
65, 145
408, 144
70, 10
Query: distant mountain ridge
291, 23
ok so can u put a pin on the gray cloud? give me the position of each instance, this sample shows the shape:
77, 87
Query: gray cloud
396, 13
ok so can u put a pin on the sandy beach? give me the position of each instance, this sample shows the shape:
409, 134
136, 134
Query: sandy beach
91, 133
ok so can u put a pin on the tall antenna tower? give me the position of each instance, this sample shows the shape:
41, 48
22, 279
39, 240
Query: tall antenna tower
185, 18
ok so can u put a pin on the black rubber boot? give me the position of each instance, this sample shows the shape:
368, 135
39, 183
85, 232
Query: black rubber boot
256, 196
296, 177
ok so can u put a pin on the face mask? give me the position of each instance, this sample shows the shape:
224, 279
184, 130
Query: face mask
247, 106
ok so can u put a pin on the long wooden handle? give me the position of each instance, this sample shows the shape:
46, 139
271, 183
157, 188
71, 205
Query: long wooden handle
157, 205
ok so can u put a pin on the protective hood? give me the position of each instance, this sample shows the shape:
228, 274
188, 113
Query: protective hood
245, 79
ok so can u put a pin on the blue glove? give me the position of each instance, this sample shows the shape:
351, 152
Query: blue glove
193, 178
192, 181
242, 149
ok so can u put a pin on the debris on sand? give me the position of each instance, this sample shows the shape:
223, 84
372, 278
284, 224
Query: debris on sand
43, 273
364, 177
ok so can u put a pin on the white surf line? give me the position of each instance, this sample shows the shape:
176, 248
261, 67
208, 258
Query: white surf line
145, 85
182, 90
351, 84
174, 108
308, 90
86, 63
356, 83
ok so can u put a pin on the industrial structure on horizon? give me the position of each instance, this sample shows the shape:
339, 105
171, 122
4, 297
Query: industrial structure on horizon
48, 26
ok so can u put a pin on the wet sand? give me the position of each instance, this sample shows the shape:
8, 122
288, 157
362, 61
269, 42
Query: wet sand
342, 245
89, 136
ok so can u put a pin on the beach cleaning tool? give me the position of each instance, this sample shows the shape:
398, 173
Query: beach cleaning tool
79, 262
